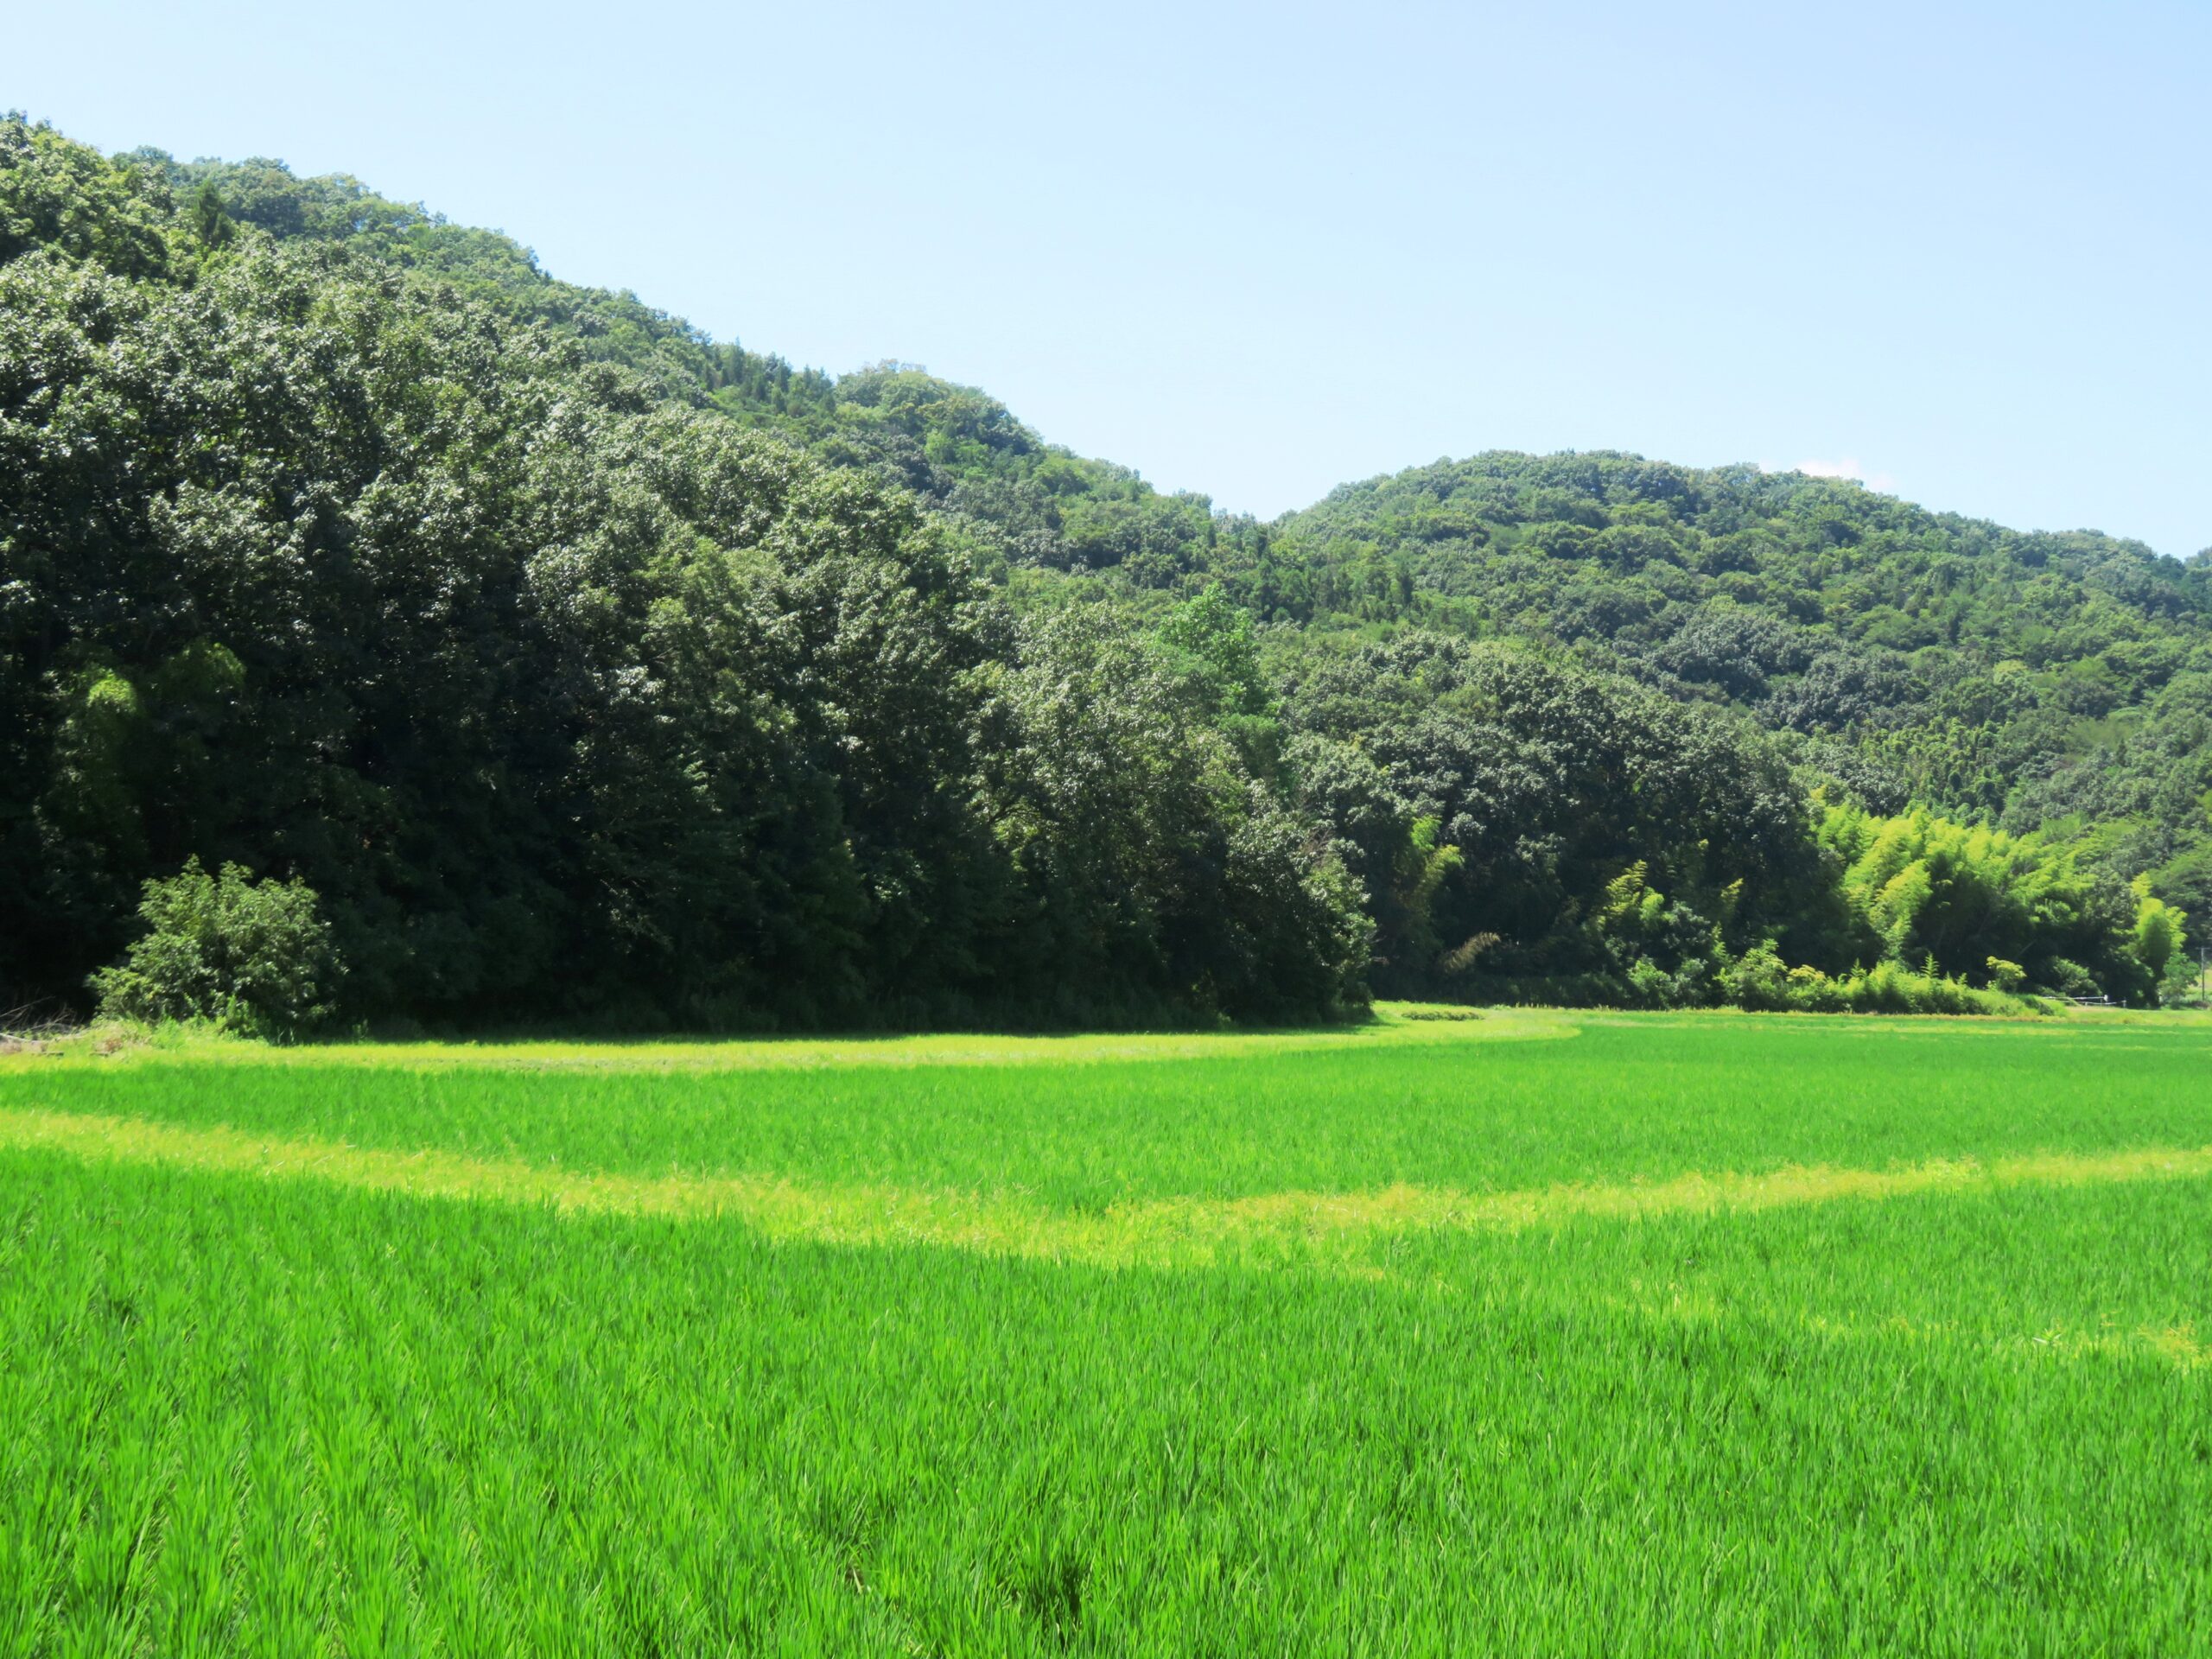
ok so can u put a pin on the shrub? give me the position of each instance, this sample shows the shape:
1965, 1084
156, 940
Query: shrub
1649, 985
2069, 978
1760, 980
1814, 992
255, 955
1893, 987
2183, 985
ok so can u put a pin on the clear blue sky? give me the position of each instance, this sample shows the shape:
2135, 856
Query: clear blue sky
1258, 249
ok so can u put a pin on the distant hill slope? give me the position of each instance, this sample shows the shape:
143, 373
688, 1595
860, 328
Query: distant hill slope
1965, 661
1939, 658
1482, 544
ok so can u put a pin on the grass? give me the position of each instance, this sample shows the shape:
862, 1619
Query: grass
1590, 1334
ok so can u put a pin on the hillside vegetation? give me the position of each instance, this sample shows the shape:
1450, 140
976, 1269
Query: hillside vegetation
522, 655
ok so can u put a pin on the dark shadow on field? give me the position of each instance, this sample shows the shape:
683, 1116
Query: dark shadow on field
402, 1032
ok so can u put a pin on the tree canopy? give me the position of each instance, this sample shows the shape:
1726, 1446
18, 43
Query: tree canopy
583, 668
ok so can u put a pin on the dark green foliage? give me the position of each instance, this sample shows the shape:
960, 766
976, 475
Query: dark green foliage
1899, 654
1544, 782
591, 669
570, 700
254, 955
1142, 853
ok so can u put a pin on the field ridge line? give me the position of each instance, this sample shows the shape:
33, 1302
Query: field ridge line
1150, 1230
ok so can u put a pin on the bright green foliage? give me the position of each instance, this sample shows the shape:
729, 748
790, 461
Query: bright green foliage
266, 1413
59, 195
255, 955
1893, 987
1965, 898
1219, 636
2159, 930
1214, 638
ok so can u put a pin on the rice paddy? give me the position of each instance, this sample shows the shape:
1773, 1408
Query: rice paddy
1539, 1332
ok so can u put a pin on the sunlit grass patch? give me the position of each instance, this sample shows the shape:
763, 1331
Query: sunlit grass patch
1156, 1231
1449, 1109
1389, 1023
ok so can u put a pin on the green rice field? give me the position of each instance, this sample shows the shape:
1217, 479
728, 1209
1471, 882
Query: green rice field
1531, 1333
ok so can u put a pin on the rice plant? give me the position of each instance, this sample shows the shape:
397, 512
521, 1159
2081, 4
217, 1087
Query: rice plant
1660, 1334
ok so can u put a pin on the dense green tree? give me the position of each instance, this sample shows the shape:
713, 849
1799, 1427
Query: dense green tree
1961, 897
254, 955
1966, 660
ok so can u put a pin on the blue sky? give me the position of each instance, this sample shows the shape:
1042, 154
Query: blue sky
1256, 250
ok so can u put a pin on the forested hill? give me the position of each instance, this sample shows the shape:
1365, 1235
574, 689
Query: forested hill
551, 661
1966, 664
